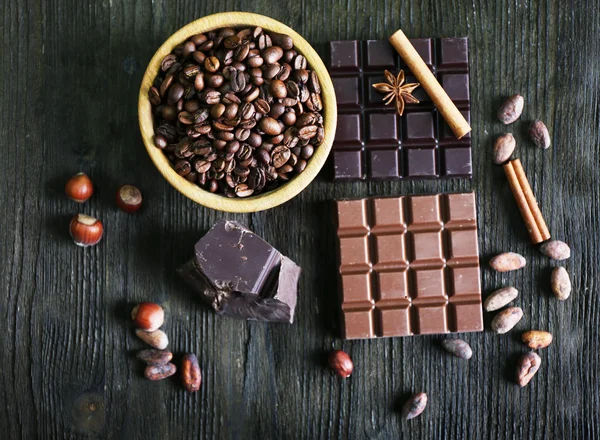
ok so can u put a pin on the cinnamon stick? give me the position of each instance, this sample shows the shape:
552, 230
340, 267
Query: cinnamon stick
528, 206
436, 92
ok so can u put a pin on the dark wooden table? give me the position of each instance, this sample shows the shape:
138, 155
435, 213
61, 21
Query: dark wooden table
71, 73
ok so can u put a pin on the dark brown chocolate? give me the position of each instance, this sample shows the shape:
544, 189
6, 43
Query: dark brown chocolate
409, 265
242, 276
372, 141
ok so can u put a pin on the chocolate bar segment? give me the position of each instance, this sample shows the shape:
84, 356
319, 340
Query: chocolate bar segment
409, 265
242, 276
372, 142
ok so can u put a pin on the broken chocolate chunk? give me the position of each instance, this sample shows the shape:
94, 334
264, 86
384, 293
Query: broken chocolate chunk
242, 276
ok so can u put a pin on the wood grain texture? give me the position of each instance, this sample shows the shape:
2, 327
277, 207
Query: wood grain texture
72, 70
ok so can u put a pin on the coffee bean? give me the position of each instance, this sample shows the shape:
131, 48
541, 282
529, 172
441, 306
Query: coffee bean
283, 40
154, 96
307, 132
199, 82
272, 54
237, 106
198, 39
241, 52
199, 57
300, 166
211, 64
279, 156
288, 118
175, 93
217, 110
212, 97
252, 94
167, 62
202, 165
313, 84
206, 46
169, 113
188, 49
214, 81
237, 81
299, 62
186, 118
269, 126
271, 71
160, 141
277, 110
278, 89
183, 167
192, 105
307, 152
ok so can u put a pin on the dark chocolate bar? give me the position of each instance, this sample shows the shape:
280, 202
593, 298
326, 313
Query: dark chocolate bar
372, 141
242, 276
409, 265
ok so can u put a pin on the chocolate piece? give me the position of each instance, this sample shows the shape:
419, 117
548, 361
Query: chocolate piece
409, 265
372, 141
242, 276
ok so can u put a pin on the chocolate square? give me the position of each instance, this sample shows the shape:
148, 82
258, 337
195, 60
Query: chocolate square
347, 91
384, 164
345, 55
454, 53
348, 165
349, 132
421, 162
424, 279
382, 128
457, 161
380, 55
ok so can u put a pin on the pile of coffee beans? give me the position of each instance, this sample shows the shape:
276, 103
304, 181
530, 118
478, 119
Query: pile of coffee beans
238, 112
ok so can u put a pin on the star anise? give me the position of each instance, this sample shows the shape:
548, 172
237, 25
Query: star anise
396, 90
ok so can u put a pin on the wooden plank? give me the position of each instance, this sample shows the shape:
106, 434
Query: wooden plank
72, 71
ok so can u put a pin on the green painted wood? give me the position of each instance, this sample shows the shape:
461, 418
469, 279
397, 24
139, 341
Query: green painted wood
71, 72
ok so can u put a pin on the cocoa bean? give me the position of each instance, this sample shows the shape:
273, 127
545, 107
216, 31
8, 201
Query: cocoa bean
500, 298
556, 249
159, 372
458, 348
504, 148
527, 366
538, 133
506, 319
157, 339
511, 109
191, 376
155, 357
507, 261
414, 406
560, 283
537, 339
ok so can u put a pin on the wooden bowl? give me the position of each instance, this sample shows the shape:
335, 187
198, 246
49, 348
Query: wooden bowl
254, 203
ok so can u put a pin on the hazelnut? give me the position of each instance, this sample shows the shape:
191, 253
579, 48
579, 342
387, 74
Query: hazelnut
129, 198
148, 316
79, 188
340, 363
85, 230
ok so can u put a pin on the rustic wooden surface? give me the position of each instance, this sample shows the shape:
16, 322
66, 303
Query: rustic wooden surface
71, 72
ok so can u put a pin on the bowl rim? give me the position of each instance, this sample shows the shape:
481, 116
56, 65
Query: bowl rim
194, 192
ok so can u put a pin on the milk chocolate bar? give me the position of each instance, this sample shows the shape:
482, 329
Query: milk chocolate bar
409, 265
242, 276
